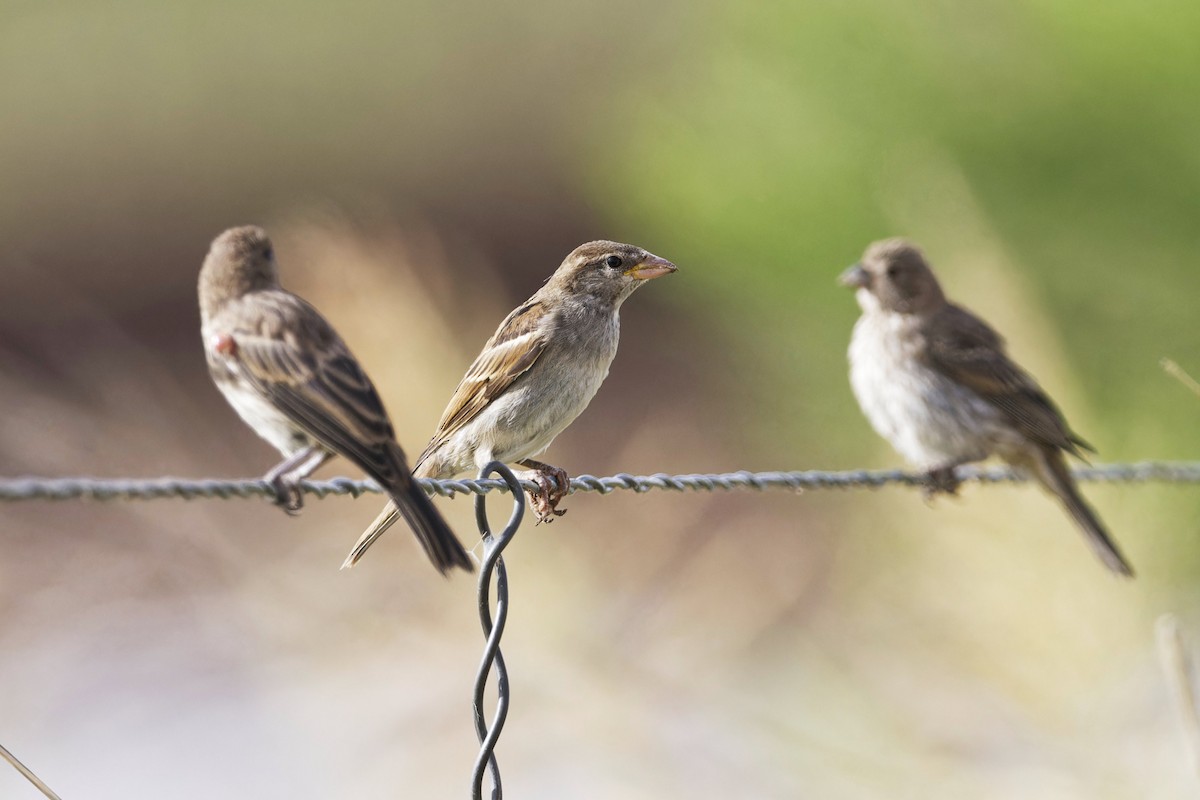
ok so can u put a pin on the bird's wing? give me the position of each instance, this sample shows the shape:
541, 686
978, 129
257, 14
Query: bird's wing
512, 350
965, 348
296, 360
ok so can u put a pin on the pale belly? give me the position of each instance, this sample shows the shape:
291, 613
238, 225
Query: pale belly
266, 420
524, 421
928, 418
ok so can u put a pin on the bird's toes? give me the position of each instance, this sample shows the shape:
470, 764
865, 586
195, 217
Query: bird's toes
942, 480
562, 483
540, 504
550, 491
288, 496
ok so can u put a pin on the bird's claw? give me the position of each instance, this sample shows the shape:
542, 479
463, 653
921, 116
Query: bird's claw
287, 495
941, 480
553, 485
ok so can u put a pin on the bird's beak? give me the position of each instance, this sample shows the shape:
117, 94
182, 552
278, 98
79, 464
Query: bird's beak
651, 267
856, 277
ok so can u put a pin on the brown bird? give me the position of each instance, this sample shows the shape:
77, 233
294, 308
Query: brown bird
292, 379
935, 381
535, 375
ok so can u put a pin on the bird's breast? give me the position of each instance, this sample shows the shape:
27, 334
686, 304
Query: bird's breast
540, 404
926, 416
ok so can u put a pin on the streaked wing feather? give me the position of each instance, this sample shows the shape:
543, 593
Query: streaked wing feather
965, 348
324, 391
512, 350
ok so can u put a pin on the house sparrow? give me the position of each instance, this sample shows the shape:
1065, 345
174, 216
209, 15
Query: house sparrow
292, 379
934, 380
535, 375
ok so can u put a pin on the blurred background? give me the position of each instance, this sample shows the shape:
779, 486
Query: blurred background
423, 167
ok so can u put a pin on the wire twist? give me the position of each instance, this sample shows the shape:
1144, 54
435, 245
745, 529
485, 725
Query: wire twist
35, 488
493, 629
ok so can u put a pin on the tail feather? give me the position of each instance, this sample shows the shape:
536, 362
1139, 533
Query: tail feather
382, 522
1053, 473
409, 500
435, 536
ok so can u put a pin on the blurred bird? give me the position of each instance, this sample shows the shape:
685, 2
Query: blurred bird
535, 375
292, 379
934, 380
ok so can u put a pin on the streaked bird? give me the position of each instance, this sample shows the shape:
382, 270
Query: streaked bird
535, 375
292, 379
935, 381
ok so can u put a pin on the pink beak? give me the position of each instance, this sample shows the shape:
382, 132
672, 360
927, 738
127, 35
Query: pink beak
651, 267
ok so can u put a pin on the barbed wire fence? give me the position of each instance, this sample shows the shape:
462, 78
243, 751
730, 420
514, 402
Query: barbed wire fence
493, 572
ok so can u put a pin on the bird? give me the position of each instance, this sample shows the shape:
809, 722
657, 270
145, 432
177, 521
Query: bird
292, 379
535, 375
936, 381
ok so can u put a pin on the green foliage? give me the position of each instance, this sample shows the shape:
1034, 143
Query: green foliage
794, 133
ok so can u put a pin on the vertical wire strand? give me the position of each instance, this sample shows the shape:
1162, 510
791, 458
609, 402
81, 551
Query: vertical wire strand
493, 629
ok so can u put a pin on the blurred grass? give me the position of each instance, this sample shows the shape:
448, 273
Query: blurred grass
786, 140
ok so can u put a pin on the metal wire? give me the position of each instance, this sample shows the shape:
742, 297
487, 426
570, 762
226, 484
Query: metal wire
34, 488
493, 629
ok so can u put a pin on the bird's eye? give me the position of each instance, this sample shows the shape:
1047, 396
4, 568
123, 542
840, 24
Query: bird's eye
268, 253
893, 271
613, 262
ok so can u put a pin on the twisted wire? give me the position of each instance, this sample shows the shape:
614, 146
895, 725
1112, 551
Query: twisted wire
493, 629
36, 488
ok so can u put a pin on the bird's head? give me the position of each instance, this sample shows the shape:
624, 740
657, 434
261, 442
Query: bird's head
893, 275
240, 260
607, 272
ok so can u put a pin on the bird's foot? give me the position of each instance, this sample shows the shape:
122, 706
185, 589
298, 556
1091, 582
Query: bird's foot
553, 485
284, 478
941, 480
287, 494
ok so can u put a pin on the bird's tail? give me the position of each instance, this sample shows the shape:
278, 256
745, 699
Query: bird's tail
384, 521
409, 500
1052, 471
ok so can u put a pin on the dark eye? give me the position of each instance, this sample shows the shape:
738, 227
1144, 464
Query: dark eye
613, 262
893, 271
268, 253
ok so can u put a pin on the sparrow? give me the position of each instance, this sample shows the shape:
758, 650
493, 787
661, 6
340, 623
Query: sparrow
535, 375
291, 378
935, 381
